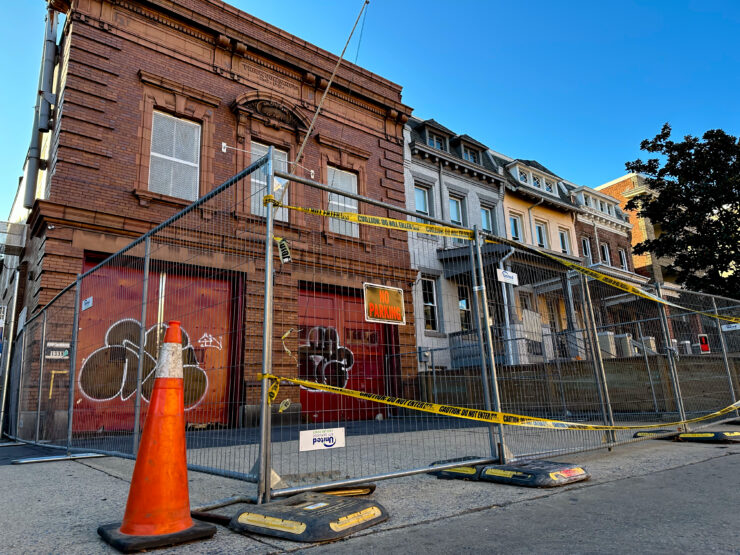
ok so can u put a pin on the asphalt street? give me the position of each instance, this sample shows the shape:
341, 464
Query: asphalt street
647, 497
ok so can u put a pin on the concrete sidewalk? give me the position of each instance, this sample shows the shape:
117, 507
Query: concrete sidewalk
57, 507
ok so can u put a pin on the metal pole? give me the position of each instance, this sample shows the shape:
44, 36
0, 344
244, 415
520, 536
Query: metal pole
647, 366
726, 361
600, 373
434, 378
671, 361
7, 352
24, 344
489, 340
142, 341
73, 363
265, 465
481, 347
41, 377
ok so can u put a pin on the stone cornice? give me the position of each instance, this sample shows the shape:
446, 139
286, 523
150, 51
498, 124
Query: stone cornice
423, 151
179, 88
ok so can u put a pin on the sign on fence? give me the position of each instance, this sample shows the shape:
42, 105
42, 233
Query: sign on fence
329, 438
57, 350
730, 327
505, 276
383, 304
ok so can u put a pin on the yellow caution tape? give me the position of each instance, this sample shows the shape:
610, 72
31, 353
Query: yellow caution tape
489, 416
378, 221
433, 229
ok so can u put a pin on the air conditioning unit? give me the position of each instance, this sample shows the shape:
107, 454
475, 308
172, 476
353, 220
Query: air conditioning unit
684, 347
607, 344
649, 343
623, 342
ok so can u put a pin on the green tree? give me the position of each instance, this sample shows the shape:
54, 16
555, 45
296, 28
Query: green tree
693, 199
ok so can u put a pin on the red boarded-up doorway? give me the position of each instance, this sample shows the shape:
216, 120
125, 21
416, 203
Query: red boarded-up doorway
338, 347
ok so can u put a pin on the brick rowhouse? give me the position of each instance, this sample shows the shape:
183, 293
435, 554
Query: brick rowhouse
242, 81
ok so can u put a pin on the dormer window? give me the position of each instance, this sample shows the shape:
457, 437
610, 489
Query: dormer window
587, 200
470, 155
436, 141
549, 186
536, 181
523, 176
602, 206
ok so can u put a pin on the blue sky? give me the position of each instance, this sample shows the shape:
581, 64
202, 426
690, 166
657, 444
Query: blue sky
574, 85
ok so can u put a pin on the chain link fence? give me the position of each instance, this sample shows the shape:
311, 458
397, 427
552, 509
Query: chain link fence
542, 341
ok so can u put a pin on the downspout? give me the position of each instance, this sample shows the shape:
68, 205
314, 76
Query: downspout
42, 112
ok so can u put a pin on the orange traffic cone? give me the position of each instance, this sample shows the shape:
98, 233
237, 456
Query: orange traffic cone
158, 508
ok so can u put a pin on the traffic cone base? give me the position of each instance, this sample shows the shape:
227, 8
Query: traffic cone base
158, 507
126, 543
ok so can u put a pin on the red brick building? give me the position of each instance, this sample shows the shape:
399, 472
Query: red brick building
146, 94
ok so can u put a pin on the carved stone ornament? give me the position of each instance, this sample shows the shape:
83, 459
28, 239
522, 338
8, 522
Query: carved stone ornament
274, 114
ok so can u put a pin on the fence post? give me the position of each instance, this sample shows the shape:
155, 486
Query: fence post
265, 464
647, 366
19, 393
489, 340
599, 371
73, 363
142, 341
726, 361
671, 360
41, 377
477, 314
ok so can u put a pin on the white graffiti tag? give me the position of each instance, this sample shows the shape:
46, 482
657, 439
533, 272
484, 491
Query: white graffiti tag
323, 359
110, 371
208, 341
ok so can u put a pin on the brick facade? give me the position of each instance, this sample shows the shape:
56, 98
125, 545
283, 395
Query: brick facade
241, 80
615, 241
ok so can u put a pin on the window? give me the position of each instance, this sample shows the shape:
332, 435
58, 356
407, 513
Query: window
345, 181
536, 181
564, 241
456, 211
486, 219
457, 216
174, 164
540, 234
470, 155
586, 249
523, 176
549, 186
605, 258
526, 301
259, 181
602, 206
463, 295
623, 259
421, 202
515, 227
587, 200
436, 141
429, 298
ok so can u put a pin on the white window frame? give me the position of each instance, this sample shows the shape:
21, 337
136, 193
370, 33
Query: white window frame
516, 218
340, 203
259, 181
540, 225
523, 176
427, 198
605, 254
463, 215
549, 186
469, 154
623, 260
435, 140
565, 246
465, 313
536, 181
586, 249
173, 159
433, 304
489, 211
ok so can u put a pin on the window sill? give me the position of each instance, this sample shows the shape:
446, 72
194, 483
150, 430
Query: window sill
147, 197
432, 333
